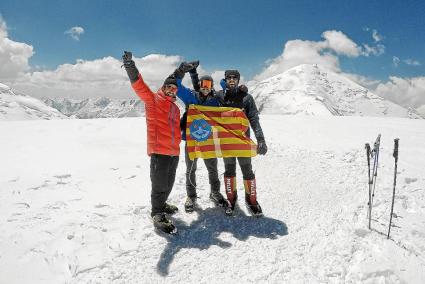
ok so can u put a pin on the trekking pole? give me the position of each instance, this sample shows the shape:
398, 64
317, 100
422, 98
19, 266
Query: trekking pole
375, 154
395, 155
369, 181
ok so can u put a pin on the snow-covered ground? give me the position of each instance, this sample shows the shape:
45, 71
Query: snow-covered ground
75, 202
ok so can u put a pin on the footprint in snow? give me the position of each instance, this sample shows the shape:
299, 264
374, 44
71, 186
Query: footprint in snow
410, 180
23, 205
61, 178
102, 206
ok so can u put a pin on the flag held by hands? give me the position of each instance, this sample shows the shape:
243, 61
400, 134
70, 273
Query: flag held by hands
218, 132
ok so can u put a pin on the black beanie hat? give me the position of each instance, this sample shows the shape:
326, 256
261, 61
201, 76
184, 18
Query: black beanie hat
170, 80
235, 73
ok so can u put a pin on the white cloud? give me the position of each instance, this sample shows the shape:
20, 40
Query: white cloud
396, 61
324, 53
377, 50
14, 55
412, 62
97, 78
376, 36
75, 32
340, 43
408, 92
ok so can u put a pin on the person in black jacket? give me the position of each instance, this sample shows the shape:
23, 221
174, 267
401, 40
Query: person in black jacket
234, 96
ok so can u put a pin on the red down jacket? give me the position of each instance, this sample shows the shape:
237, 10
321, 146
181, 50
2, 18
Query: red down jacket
162, 120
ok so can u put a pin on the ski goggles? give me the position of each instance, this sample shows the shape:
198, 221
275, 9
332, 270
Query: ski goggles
206, 84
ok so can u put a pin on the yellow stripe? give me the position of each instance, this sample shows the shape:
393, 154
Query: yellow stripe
220, 120
191, 142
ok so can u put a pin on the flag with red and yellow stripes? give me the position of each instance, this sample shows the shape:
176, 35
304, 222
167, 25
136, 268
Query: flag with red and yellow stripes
218, 132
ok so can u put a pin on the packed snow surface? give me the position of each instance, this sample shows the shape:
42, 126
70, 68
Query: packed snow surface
75, 203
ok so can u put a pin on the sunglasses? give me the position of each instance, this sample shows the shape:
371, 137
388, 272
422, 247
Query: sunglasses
171, 88
206, 84
232, 77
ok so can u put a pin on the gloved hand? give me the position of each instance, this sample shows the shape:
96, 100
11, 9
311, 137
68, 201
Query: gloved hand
127, 58
185, 67
130, 66
243, 89
261, 146
195, 65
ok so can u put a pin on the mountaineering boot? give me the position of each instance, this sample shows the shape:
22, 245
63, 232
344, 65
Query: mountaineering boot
190, 204
218, 199
251, 198
170, 209
163, 224
231, 193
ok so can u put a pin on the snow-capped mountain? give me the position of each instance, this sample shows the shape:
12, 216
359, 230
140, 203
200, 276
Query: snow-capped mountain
313, 90
98, 107
14, 106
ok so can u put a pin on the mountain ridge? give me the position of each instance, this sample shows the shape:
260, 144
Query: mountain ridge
311, 89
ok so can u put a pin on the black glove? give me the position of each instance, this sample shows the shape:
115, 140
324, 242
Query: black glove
130, 66
243, 89
185, 67
261, 146
127, 58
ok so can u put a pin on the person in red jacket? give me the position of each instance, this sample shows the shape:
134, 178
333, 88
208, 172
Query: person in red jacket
163, 135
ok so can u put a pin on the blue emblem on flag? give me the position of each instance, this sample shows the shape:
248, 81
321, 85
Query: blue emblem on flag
200, 130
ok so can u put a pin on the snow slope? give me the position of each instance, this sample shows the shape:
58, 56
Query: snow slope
75, 201
313, 90
22, 107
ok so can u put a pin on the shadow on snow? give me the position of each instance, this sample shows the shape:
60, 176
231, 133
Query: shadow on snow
204, 232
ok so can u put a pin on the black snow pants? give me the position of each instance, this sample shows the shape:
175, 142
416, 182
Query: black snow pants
163, 174
244, 163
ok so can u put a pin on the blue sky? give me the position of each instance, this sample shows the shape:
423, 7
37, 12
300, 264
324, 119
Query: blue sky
222, 34
246, 35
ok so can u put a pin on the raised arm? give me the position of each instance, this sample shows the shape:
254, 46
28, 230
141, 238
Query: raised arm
139, 86
185, 94
195, 79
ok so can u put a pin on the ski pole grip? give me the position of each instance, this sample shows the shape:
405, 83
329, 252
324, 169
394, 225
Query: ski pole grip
377, 141
367, 146
395, 153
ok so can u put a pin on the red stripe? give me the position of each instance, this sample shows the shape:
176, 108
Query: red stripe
221, 134
223, 147
220, 114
